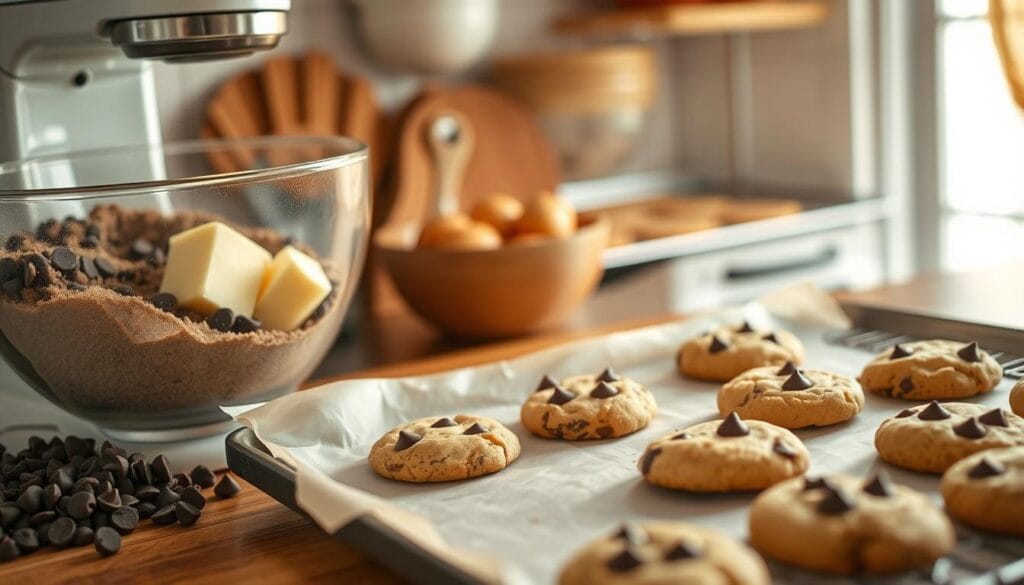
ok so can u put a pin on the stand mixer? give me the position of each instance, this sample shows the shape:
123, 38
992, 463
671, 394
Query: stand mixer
75, 75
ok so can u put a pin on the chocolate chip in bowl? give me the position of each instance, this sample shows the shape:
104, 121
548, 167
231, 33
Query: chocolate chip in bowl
147, 309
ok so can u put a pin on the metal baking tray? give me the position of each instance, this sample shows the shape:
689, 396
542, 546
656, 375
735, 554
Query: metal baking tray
978, 559
252, 461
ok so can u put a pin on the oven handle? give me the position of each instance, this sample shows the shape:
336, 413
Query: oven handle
824, 257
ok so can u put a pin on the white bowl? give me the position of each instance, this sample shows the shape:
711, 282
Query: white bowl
427, 36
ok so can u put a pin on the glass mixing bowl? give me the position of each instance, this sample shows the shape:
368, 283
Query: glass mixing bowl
96, 345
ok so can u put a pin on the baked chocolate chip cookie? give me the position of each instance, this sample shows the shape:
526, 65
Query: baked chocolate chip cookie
665, 552
935, 369
933, 437
792, 397
724, 455
1017, 398
986, 490
843, 524
444, 449
602, 406
727, 352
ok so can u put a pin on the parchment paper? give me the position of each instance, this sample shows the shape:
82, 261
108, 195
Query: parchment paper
522, 523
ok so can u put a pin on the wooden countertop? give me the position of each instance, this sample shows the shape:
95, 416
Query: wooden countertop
252, 538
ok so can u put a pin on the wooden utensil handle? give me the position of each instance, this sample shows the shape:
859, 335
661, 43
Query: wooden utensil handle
450, 136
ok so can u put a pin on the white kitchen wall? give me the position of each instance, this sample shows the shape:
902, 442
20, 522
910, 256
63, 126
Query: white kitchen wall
774, 109
769, 108
183, 90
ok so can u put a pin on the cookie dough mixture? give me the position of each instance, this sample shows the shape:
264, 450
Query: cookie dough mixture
932, 369
727, 352
1017, 398
727, 455
844, 524
791, 397
931, 438
602, 406
436, 449
80, 303
658, 553
987, 490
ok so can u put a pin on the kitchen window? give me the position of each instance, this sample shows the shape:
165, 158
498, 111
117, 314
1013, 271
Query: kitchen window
980, 141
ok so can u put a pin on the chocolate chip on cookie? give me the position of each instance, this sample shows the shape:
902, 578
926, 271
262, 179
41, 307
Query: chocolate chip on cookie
934, 411
717, 345
407, 439
745, 328
608, 375
682, 551
835, 502
631, 534
603, 390
906, 384
970, 429
786, 369
784, 449
898, 351
648, 459
797, 381
627, 560
986, 468
994, 418
816, 483
906, 412
443, 422
880, 485
475, 429
546, 382
969, 352
733, 426
560, 396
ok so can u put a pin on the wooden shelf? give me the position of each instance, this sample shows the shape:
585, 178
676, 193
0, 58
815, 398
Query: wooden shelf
695, 19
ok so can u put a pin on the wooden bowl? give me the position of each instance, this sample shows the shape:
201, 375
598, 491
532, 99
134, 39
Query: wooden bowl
495, 293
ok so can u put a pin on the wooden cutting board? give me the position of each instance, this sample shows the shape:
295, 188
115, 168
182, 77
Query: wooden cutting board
511, 154
295, 95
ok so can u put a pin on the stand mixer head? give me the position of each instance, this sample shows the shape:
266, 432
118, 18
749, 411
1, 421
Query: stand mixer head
73, 73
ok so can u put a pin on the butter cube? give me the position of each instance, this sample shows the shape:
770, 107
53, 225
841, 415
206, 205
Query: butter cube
294, 286
213, 266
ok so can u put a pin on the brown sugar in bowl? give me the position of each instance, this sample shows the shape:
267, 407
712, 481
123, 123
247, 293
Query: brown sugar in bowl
496, 293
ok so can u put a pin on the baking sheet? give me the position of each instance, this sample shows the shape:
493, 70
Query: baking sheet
520, 525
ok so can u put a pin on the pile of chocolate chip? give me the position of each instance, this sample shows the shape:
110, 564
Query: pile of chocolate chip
55, 263
64, 493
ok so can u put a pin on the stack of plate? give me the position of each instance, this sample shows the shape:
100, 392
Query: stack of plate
592, 103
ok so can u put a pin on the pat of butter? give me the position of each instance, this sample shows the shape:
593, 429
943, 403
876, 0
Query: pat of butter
294, 286
213, 266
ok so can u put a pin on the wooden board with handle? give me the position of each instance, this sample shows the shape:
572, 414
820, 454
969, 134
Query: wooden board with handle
511, 154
